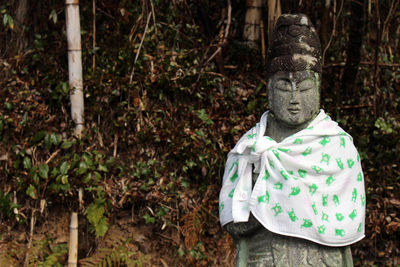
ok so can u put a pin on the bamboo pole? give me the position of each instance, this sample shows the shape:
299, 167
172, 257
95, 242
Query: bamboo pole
73, 241
274, 12
251, 31
263, 53
75, 64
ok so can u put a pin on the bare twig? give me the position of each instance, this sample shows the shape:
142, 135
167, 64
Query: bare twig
106, 14
115, 145
354, 106
52, 156
32, 227
216, 74
335, 17
154, 16
94, 33
140, 46
380, 64
377, 56
228, 24
385, 29
342, 64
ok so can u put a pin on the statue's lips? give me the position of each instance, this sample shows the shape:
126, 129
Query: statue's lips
294, 110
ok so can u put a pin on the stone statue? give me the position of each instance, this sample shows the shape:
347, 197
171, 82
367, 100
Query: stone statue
293, 190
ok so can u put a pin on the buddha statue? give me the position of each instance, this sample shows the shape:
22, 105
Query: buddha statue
293, 189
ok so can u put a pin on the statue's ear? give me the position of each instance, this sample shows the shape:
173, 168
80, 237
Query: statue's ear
269, 92
317, 77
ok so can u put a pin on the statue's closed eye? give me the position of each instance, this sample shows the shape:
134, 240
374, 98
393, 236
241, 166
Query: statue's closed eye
306, 85
283, 85
286, 85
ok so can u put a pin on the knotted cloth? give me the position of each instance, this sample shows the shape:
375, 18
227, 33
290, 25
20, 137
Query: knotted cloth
310, 185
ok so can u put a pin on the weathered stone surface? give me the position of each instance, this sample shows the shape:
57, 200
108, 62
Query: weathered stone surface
268, 249
293, 96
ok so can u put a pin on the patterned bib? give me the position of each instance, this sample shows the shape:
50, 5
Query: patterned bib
310, 185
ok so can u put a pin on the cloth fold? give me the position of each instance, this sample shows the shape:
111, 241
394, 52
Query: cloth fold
310, 185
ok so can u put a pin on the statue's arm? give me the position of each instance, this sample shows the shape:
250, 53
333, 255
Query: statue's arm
237, 230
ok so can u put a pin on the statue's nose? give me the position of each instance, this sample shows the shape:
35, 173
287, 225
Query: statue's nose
294, 99
294, 96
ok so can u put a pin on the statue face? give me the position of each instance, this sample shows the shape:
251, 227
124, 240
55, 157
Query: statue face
294, 96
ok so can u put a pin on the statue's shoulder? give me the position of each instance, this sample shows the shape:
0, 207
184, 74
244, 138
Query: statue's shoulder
250, 134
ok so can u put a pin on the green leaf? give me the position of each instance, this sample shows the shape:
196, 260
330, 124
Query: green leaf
27, 163
101, 227
88, 159
5, 19
8, 105
10, 22
87, 178
95, 215
44, 170
35, 178
102, 168
64, 179
97, 176
202, 114
47, 141
82, 168
38, 136
66, 144
31, 191
55, 139
64, 168
53, 16
149, 219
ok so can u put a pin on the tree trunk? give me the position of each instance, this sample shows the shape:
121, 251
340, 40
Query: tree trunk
251, 31
20, 19
274, 12
353, 49
325, 24
75, 64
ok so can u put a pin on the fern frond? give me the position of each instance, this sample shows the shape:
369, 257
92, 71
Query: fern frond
193, 223
11, 253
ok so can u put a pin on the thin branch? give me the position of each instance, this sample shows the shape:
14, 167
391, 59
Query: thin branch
94, 33
378, 14
333, 30
32, 227
140, 46
342, 64
392, 9
353, 106
154, 17
55, 153
228, 24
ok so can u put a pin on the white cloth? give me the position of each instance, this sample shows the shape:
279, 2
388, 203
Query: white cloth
310, 185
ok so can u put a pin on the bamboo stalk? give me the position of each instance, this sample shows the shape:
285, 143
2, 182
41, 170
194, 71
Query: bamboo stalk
73, 241
274, 12
262, 41
251, 31
75, 64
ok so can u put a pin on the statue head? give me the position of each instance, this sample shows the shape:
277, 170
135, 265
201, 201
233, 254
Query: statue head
294, 70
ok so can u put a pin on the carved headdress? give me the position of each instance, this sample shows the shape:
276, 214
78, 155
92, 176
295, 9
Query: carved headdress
294, 45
